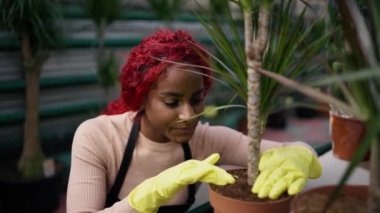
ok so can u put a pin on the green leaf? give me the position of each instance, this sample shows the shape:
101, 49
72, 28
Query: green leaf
230, 66
357, 33
166, 10
246, 5
103, 11
38, 19
108, 71
358, 75
374, 6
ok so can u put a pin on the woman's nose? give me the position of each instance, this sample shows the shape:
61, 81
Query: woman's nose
186, 112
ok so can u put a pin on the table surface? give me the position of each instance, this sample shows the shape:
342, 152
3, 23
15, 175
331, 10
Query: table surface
333, 170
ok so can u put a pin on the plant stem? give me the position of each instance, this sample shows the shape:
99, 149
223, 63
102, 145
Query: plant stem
30, 162
100, 34
374, 194
254, 52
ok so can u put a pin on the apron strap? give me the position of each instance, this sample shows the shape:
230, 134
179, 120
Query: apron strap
191, 187
112, 196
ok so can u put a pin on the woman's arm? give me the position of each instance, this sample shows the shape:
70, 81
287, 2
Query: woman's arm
87, 187
232, 145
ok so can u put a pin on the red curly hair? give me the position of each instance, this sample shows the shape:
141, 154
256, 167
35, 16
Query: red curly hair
143, 68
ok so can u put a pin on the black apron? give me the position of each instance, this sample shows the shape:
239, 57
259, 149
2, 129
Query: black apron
112, 196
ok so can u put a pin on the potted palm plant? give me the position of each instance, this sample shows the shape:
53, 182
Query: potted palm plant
103, 14
34, 25
274, 39
361, 97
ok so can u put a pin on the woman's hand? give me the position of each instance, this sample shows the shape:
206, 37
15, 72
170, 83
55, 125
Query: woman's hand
285, 169
153, 192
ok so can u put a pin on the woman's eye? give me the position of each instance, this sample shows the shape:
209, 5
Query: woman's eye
171, 103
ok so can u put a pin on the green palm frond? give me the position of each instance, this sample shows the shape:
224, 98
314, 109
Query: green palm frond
166, 10
103, 11
361, 33
293, 45
230, 66
37, 18
108, 71
292, 50
375, 17
219, 7
358, 75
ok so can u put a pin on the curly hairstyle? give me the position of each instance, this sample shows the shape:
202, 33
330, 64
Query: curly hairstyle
143, 67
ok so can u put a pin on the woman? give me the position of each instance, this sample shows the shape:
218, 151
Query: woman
137, 157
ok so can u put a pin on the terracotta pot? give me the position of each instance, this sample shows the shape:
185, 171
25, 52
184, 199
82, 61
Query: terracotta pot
225, 204
347, 134
353, 198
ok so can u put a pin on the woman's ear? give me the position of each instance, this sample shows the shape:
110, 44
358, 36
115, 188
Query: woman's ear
142, 105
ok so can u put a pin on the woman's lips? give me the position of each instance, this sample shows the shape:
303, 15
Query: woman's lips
186, 130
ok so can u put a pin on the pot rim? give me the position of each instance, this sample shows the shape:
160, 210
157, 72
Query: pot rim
328, 187
268, 200
335, 185
347, 117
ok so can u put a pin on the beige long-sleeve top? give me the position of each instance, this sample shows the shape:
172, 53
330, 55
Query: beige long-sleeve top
98, 149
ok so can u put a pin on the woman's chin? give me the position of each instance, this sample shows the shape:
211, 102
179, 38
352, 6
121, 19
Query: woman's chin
181, 139
181, 136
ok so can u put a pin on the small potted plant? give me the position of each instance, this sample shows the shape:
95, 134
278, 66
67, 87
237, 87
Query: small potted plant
34, 25
346, 132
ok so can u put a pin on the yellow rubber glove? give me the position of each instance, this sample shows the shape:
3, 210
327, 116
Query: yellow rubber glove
149, 195
285, 168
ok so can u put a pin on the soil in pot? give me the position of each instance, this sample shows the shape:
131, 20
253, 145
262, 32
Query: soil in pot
239, 195
353, 199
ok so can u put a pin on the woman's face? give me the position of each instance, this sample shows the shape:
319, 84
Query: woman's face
171, 104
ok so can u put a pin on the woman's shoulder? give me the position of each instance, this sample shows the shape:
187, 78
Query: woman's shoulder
106, 127
104, 121
103, 131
